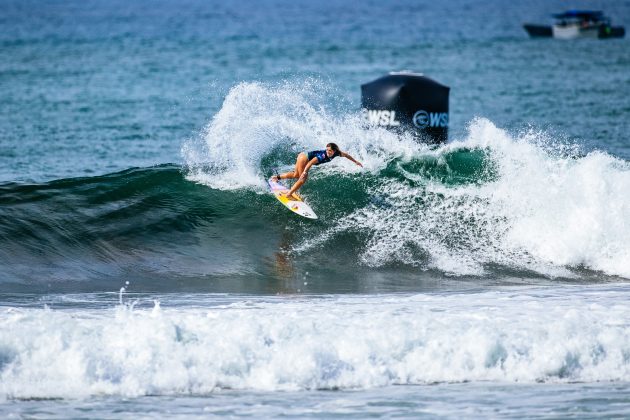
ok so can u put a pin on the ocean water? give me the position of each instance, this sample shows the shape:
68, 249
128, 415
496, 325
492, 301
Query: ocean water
145, 271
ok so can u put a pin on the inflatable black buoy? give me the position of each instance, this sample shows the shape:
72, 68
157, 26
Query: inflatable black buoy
408, 102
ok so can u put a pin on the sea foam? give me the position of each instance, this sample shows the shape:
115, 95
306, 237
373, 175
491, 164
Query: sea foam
544, 211
257, 120
290, 343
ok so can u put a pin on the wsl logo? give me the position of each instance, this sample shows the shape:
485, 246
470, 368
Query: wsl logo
424, 119
384, 118
421, 119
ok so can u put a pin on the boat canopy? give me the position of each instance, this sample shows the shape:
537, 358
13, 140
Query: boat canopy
580, 14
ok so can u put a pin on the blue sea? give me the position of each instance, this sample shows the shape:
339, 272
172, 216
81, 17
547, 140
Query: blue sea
146, 272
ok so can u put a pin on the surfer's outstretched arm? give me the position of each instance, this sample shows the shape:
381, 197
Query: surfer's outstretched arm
347, 156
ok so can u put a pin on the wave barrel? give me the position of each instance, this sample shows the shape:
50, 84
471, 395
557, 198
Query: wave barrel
408, 102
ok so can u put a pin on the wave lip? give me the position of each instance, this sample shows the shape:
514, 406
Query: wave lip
261, 127
335, 343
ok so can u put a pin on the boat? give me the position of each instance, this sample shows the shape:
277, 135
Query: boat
574, 24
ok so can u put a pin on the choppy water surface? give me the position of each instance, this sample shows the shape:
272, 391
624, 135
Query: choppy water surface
144, 269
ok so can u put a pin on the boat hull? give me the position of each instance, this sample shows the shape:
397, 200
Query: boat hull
601, 32
575, 31
612, 32
538, 31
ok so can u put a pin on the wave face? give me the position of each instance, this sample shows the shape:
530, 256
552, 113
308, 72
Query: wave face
331, 342
524, 202
491, 205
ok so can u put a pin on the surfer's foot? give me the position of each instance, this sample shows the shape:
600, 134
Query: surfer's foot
286, 194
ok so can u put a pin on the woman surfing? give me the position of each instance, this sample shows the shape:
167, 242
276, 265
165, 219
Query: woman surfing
306, 160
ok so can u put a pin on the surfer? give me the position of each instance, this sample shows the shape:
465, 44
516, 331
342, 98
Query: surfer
306, 160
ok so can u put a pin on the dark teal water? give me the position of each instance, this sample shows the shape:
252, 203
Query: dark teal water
135, 140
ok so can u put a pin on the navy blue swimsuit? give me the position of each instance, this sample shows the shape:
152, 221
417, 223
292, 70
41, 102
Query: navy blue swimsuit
321, 156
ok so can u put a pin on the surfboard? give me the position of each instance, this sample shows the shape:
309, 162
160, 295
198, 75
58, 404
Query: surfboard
295, 203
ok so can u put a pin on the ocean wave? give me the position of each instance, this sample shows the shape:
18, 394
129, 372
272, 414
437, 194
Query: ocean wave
333, 343
524, 207
523, 201
486, 203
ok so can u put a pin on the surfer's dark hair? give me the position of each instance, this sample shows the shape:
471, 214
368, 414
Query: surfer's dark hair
333, 146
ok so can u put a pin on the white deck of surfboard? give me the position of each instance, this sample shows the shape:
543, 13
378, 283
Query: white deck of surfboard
296, 206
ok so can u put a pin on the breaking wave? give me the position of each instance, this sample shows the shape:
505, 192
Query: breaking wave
491, 202
326, 343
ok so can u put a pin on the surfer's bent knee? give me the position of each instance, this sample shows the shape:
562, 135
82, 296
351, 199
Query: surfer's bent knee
302, 160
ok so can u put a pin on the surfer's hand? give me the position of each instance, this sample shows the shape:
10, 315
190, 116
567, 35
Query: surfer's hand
304, 175
360, 164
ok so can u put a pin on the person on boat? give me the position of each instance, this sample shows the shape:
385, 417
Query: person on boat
306, 160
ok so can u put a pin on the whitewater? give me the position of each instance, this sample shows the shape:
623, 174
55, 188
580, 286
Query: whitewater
294, 343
